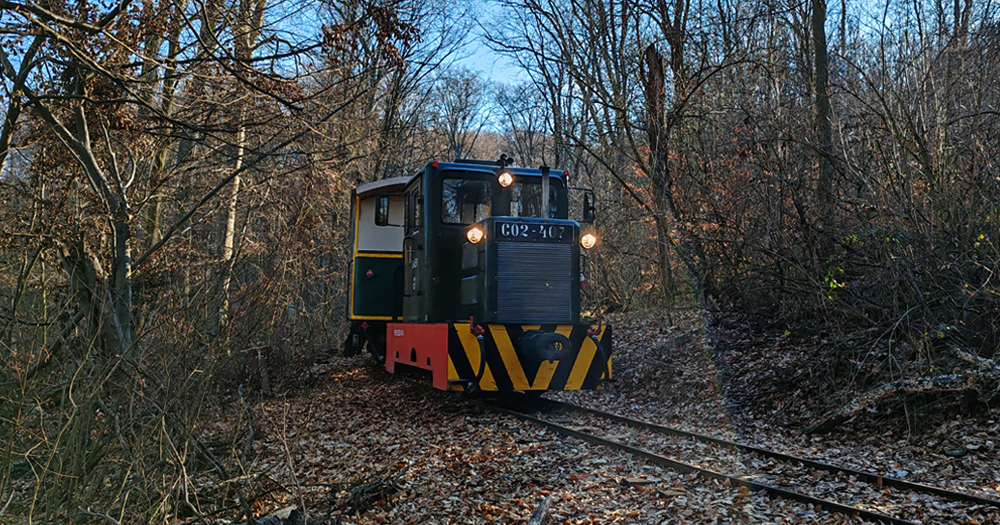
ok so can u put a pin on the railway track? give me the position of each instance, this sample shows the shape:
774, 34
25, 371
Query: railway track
869, 496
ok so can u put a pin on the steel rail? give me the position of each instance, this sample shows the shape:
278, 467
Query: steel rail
739, 480
867, 477
745, 481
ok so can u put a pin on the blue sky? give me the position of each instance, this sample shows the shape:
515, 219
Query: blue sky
490, 64
481, 58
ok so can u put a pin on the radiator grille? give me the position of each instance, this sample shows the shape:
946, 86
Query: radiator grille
534, 282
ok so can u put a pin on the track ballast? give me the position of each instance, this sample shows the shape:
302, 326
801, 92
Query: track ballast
870, 496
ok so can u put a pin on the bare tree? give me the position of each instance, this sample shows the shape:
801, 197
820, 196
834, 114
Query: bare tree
460, 105
825, 198
524, 120
126, 117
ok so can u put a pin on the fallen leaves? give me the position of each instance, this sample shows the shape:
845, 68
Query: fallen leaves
675, 387
461, 465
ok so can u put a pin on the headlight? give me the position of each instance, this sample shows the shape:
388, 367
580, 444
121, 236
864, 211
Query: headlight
474, 235
505, 179
588, 241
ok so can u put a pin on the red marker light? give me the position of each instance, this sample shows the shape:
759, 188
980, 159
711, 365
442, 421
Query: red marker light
434, 164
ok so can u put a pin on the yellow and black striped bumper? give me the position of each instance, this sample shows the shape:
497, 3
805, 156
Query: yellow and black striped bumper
512, 365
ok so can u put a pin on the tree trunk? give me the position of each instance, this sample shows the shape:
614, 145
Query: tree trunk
18, 78
208, 39
663, 245
122, 268
159, 165
234, 197
87, 284
230, 233
114, 317
824, 197
247, 28
658, 135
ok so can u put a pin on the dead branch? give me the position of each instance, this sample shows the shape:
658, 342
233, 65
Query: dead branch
102, 515
984, 377
56, 345
229, 178
223, 474
362, 494
541, 514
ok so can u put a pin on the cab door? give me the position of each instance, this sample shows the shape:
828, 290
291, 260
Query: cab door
414, 262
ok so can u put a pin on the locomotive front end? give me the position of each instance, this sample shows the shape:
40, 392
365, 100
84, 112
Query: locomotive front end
522, 270
521, 288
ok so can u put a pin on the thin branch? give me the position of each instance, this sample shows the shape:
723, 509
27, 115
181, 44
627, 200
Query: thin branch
229, 178
49, 16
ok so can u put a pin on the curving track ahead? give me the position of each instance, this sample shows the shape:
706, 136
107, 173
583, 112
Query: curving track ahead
839, 489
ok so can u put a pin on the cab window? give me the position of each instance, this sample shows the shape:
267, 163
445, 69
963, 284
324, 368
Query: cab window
408, 220
465, 201
526, 200
417, 205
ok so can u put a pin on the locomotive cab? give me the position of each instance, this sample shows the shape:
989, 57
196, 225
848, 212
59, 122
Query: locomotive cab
447, 200
489, 284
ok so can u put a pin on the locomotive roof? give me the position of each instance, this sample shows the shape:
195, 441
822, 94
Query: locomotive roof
396, 184
492, 167
384, 185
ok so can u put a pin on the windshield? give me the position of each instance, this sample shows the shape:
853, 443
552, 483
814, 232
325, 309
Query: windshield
465, 201
526, 200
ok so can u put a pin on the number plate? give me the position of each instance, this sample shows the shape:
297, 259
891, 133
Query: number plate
533, 232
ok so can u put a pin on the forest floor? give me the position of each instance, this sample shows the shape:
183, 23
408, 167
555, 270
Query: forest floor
358, 445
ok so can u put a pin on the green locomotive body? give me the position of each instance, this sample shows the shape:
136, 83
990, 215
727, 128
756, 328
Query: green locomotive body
464, 270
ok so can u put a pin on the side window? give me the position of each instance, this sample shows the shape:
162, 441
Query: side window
407, 215
418, 209
465, 201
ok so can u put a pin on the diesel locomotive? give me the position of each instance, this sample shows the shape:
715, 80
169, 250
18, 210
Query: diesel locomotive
471, 270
